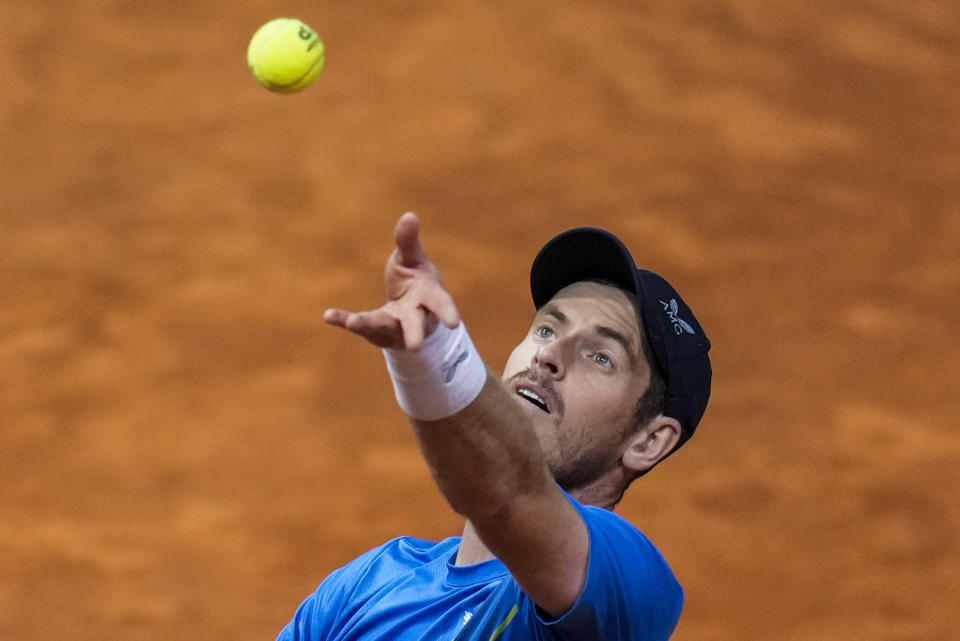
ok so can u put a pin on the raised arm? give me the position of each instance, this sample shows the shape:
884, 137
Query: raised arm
486, 458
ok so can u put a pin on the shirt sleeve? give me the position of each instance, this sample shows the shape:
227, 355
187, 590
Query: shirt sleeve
630, 592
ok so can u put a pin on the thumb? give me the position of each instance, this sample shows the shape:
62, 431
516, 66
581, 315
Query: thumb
406, 236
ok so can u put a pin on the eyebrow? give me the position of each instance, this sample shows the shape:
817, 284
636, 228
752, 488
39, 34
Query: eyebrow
550, 309
619, 337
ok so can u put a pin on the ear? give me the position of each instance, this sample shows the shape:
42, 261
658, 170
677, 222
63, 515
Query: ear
649, 445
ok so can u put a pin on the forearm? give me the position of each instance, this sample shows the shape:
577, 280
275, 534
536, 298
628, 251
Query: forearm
487, 461
484, 455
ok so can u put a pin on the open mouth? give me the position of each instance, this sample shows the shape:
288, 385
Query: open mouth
534, 398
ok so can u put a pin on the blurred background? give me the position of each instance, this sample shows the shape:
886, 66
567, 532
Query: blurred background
186, 450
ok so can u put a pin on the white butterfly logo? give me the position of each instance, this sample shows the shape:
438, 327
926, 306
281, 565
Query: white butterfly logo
679, 325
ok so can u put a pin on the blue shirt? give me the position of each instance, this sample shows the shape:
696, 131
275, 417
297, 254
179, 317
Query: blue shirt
410, 590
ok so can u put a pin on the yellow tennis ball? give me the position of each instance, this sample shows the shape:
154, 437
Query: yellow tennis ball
285, 55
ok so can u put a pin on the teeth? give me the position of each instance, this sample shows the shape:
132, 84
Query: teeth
529, 394
533, 396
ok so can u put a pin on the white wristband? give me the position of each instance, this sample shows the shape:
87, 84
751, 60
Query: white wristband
440, 379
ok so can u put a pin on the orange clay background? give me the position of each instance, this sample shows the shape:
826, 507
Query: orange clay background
186, 449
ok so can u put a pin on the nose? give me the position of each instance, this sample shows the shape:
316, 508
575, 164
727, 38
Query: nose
550, 359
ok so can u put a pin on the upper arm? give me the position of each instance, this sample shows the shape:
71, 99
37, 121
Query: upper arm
544, 542
624, 589
630, 591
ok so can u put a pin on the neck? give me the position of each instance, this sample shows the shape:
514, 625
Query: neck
472, 548
598, 495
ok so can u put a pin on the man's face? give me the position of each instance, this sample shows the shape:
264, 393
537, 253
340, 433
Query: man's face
579, 373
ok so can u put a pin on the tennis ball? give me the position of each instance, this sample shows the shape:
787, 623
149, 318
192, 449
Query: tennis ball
285, 55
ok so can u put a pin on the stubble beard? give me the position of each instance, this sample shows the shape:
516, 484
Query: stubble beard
576, 467
573, 466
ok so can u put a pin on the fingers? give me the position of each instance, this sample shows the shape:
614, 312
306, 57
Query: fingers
391, 326
416, 299
425, 295
413, 328
406, 236
438, 301
377, 326
396, 325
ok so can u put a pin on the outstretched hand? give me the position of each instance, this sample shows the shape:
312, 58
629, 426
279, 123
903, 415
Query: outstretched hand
416, 300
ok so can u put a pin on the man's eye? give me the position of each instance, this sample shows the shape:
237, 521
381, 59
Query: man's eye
602, 360
544, 332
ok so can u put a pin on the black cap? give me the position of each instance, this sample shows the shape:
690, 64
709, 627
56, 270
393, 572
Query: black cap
678, 342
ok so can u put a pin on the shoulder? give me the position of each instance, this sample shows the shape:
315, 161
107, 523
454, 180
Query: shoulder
372, 570
405, 552
610, 530
615, 543
351, 587
629, 585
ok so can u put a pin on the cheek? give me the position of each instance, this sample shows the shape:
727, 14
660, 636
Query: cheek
600, 399
519, 359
